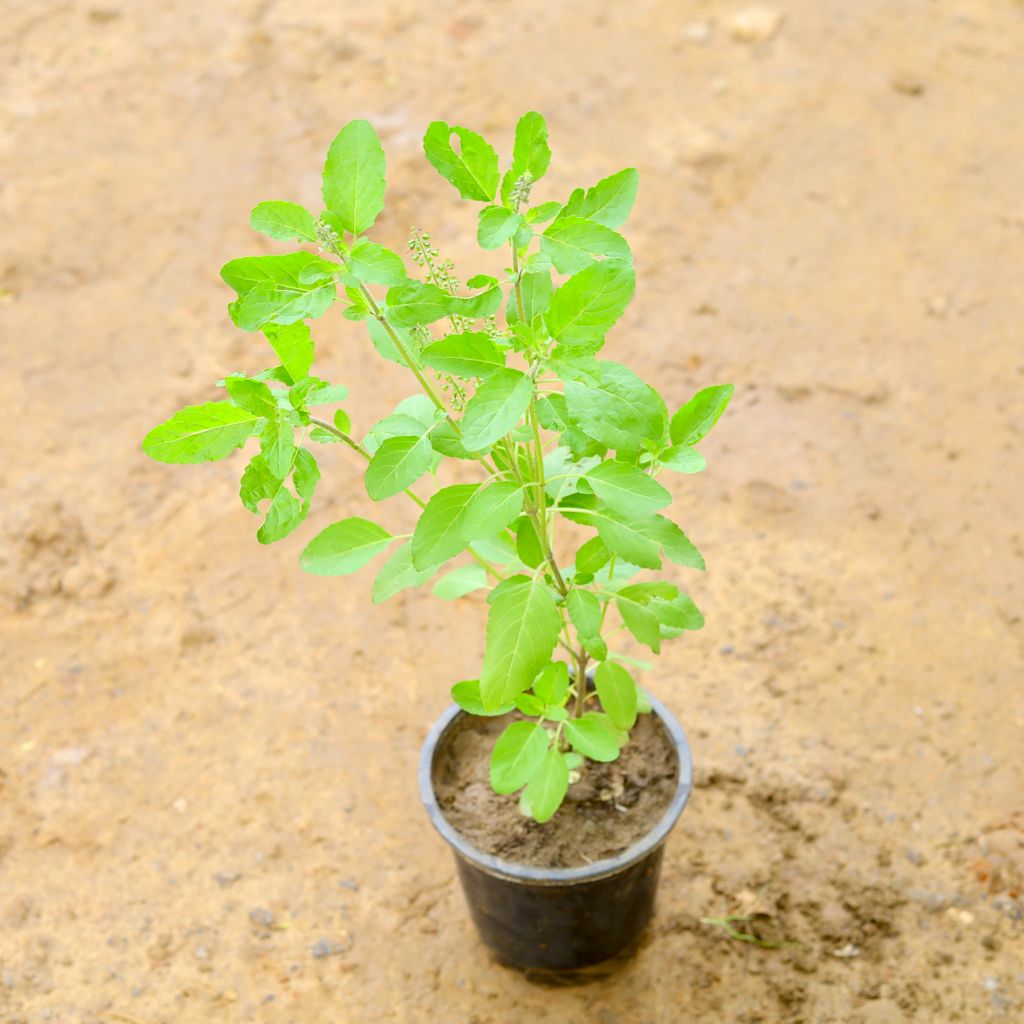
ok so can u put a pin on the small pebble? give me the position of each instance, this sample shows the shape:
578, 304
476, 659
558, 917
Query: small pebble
847, 952
349, 883
202, 953
180, 805
914, 856
906, 83
754, 24
327, 947
226, 878
261, 916
726, 649
698, 32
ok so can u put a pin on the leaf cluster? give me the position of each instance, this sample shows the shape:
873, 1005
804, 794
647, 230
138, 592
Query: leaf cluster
568, 513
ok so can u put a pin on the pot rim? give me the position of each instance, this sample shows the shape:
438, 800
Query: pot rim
557, 876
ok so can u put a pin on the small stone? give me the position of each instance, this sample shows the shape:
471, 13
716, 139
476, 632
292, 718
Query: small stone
202, 953
180, 805
262, 917
906, 83
754, 24
847, 952
726, 649
349, 883
9, 979
938, 306
698, 32
327, 947
226, 878
914, 856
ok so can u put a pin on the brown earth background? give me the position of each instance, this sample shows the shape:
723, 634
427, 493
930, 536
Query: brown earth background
207, 759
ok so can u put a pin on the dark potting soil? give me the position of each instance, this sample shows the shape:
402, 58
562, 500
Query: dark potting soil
610, 808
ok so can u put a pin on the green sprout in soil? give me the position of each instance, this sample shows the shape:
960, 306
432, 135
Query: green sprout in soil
566, 511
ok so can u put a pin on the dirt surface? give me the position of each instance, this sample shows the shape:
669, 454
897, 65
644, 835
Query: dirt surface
208, 807
608, 808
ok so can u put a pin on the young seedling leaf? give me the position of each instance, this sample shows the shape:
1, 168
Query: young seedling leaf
531, 154
522, 630
552, 684
473, 170
616, 690
536, 291
344, 547
517, 755
467, 695
284, 221
200, 433
593, 736
252, 395
546, 790
700, 414
497, 406
353, 177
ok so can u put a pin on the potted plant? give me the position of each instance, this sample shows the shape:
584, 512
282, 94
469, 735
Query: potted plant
554, 777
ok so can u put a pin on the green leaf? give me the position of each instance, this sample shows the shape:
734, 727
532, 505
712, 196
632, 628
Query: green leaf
517, 755
545, 792
246, 273
617, 692
397, 464
474, 307
585, 611
536, 291
609, 201
676, 614
682, 459
497, 406
344, 547
473, 170
674, 543
398, 574
587, 305
353, 177
528, 546
277, 444
375, 264
497, 225
262, 482
573, 243
543, 213
595, 647
461, 581
293, 346
593, 736
531, 153
458, 515
529, 705
200, 433
252, 395
467, 695
616, 408
522, 630
623, 535
592, 555
472, 354
638, 618
284, 221
383, 342
627, 489
273, 303
552, 684
700, 414
415, 303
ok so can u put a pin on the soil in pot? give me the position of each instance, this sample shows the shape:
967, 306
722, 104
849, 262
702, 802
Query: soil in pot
610, 808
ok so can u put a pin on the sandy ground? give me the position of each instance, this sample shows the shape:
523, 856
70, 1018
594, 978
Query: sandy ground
207, 759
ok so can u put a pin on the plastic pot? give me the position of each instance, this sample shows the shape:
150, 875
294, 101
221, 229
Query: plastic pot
559, 919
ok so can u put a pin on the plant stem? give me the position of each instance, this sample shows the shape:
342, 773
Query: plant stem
581, 683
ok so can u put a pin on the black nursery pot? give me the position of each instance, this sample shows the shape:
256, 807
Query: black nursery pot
559, 919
